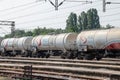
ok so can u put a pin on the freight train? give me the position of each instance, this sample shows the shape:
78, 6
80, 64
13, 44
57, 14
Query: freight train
92, 44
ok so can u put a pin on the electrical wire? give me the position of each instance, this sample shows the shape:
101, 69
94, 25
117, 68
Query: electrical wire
50, 24
41, 12
2, 10
22, 9
114, 14
51, 18
70, 7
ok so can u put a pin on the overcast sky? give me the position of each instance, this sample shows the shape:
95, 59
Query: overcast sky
28, 14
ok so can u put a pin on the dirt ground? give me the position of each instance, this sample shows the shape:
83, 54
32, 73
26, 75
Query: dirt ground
5, 78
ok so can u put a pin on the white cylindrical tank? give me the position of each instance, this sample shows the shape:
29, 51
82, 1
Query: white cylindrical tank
9, 44
66, 41
98, 39
24, 43
113, 39
52, 42
44, 42
36, 41
4, 43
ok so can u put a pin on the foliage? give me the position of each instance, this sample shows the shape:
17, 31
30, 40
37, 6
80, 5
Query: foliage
108, 26
93, 19
35, 32
17, 33
71, 23
85, 21
82, 21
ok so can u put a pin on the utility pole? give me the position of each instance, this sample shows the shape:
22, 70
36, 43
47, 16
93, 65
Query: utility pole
105, 3
13, 28
56, 4
9, 23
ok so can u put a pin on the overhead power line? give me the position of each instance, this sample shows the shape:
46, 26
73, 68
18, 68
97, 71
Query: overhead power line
41, 12
34, 13
114, 14
56, 4
17, 6
51, 23
112, 20
22, 9
52, 17
78, 1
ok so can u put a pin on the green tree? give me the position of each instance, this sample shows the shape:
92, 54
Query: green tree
19, 33
108, 26
93, 19
71, 23
36, 31
28, 33
82, 21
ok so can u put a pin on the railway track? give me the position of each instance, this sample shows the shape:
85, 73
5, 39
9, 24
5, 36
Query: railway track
63, 69
104, 61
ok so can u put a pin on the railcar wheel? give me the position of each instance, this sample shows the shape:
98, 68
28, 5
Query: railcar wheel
89, 56
47, 55
34, 55
43, 55
34, 52
24, 54
63, 55
74, 55
99, 56
13, 54
79, 56
3, 52
68, 56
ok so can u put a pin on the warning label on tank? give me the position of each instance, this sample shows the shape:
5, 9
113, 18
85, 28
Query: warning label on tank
83, 39
45, 42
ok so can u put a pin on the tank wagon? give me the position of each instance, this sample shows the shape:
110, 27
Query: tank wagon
98, 43
46, 45
15, 46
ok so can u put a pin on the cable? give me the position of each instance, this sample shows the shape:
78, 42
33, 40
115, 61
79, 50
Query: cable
4, 30
78, 1
40, 12
35, 20
18, 10
30, 14
43, 25
112, 20
114, 14
51, 18
40, 20
17, 6
34, 13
